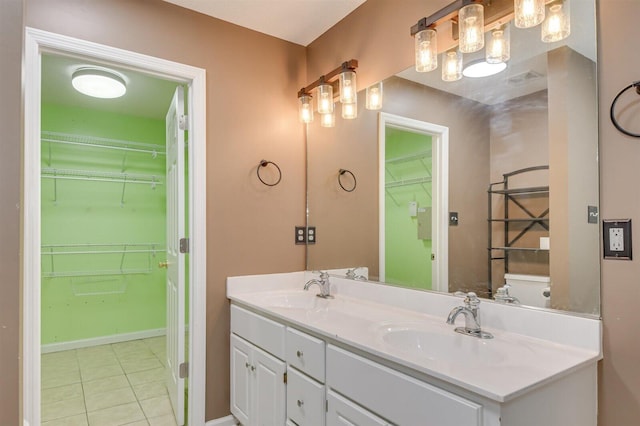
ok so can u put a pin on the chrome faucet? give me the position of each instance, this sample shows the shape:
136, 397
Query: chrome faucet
323, 283
351, 274
471, 314
502, 295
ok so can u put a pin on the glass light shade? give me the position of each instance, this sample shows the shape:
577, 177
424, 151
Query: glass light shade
426, 50
324, 97
557, 25
350, 110
374, 96
305, 109
348, 87
471, 28
451, 65
528, 13
98, 83
498, 48
328, 120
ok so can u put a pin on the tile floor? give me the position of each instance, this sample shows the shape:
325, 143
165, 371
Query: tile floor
107, 385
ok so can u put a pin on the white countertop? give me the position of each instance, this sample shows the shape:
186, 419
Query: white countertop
500, 369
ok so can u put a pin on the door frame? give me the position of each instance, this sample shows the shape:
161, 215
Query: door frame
36, 43
440, 189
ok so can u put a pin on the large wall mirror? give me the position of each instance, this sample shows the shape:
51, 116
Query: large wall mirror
472, 184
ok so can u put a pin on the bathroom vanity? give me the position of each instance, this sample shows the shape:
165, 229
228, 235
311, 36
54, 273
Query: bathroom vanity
382, 355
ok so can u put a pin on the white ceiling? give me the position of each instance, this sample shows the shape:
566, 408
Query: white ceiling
297, 21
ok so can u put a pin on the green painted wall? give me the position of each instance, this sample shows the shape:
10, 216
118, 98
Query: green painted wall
91, 212
407, 258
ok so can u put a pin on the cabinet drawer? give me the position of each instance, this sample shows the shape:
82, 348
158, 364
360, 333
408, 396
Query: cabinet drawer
395, 396
343, 412
261, 331
306, 353
305, 399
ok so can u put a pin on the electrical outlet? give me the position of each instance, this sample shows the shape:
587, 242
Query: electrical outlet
301, 237
617, 239
311, 235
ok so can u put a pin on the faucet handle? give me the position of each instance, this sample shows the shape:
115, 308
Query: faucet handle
471, 301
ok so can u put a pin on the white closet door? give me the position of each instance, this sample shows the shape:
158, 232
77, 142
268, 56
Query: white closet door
175, 259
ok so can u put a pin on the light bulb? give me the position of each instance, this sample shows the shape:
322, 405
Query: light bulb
328, 120
305, 110
528, 13
325, 99
426, 46
499, 46
471, 28
348, 88
557, 25
349, 110
374, 96
452, 65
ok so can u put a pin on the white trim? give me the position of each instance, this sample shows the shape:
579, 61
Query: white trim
37, 42
102, 340
440, 196
223, 421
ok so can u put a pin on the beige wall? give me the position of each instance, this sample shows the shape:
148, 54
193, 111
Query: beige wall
252, 81
10, 137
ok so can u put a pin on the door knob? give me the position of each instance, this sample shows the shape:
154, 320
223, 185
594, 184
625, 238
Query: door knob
164, 264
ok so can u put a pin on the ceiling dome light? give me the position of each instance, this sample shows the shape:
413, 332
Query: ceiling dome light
481, 68
98, 83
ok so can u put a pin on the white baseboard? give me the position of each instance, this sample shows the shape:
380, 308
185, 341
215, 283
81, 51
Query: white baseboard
223, 421
104, 340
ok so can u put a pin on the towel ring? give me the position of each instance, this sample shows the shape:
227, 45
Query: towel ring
635, 84
265, 163
355, 182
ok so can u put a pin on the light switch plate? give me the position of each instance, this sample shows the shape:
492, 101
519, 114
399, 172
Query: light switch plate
616, 234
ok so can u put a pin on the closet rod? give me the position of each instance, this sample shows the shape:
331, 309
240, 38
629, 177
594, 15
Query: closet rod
122, 145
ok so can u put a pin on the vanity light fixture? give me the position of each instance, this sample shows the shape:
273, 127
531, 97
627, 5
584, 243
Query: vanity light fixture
374, 96
557, 25
340, 82
98, 83
470, 19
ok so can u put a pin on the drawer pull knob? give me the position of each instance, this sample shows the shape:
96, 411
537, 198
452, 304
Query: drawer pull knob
299, 354
253, 368
246, 364
300, 403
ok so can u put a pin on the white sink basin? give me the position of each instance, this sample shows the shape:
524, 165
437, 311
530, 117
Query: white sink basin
441, 345
293, 300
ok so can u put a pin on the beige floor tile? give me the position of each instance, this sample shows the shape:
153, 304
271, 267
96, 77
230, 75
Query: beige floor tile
59, 356
61, 409
110, 398
93, 351
146, 376
139, 423
130, 346
62, 380
103, 385
158, 406
57, 370
95, 373
166, 420
98, 361
61, 393
150, 390
142, 364
78, 420
115, 416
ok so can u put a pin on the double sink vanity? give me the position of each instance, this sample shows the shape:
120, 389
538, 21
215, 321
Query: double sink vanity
381, 355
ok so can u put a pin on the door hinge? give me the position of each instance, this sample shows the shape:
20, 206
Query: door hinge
433, 256
184, 245
284, 378
183, 122
184, 370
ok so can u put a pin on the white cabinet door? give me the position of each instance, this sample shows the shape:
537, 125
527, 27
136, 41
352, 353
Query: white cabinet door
240, 379
269, 389
342, 412
257, 385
